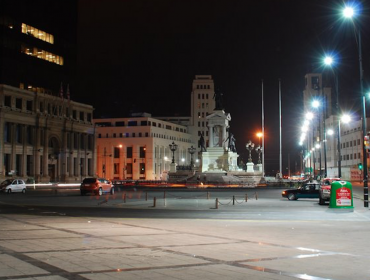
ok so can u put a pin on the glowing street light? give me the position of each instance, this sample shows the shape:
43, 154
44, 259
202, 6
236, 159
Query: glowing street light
328, 60
348, 12
316, 104
259, 135
309, 116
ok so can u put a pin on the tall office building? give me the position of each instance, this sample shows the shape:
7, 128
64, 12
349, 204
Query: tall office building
44, 134
202, 105
38, 44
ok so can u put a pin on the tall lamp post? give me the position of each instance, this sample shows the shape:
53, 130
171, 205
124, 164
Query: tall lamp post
316, 104
173, 148
328, 60
349, 12
191, 152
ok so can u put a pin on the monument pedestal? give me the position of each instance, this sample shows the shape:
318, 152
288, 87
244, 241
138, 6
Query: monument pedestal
173, 167
259, 166
250, 167
217, 159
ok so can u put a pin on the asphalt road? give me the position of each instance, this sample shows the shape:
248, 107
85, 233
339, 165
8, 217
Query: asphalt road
172, 203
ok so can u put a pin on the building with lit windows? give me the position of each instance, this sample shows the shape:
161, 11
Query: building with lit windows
137, 148
313, 147
44, 134
38, 44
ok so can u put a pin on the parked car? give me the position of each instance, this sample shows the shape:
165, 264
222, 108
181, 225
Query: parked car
13, 185
307, 190
97, 186
325, 188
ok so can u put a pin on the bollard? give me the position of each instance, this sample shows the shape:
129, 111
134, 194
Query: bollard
256, 195
146, 196
246, 197
233, 199
216, 203
208, 195
154, 202
164, 194
124, 198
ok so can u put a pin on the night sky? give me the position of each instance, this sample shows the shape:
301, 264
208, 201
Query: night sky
142, 56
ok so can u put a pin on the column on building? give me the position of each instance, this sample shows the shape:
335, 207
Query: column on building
64, 155
210, 132
13, 153
224, 135
25, 152
45, 171
71, 154
85, 169
78, 155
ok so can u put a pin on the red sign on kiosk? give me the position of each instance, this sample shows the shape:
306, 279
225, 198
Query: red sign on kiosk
343, 196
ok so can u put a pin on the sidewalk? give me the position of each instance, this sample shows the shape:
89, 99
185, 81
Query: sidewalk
275, 246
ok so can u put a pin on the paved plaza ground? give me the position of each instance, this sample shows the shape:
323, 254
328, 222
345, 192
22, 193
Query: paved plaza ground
74, 237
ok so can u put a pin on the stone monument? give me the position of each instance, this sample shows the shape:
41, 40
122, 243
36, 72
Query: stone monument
219, 155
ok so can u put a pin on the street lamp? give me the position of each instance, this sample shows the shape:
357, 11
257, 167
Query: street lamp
259, 135
317, 104
173, 148
191, 152
350, 12
329, 61
259, 151
249, 147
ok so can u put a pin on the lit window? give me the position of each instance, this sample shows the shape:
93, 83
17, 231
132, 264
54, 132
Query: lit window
37, 33
39, 53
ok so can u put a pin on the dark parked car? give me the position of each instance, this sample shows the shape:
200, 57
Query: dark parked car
97, 186
307, 190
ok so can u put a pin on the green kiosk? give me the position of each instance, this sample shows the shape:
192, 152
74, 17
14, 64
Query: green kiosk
341, 195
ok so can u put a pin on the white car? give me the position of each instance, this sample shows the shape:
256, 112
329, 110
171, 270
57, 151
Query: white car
13, 185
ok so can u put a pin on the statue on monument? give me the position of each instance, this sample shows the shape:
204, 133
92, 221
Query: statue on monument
218, 99
217, 136
231, 143
202, 143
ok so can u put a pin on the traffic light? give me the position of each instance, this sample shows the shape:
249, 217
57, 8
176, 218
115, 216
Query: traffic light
360, 166
367, 142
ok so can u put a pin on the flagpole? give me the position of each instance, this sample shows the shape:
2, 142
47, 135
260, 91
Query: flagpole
263, 135
280, 154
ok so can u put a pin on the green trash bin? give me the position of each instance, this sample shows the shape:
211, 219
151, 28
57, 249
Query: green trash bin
341, 195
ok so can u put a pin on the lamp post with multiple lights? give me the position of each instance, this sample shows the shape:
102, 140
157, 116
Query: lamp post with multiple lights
350, 12
191, 152
173, 148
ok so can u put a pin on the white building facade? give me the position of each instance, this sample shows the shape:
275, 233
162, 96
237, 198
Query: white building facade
45, 138
351, 139
138, 148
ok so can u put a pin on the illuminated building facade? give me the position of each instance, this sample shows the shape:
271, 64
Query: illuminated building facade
138, 147
350, 134
45, 137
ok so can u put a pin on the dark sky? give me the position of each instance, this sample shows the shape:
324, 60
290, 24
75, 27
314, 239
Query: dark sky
143, 55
